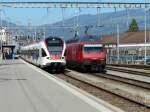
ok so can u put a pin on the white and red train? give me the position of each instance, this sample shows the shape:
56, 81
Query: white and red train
47, 53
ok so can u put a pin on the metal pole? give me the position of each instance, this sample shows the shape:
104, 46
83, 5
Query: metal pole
1, 29
149, 27
1, 46
62, 16
44, 34
98, 14
127, 12
35, 39
1, 16
77, 21
118, 55
145, 39
51, 24
63, 13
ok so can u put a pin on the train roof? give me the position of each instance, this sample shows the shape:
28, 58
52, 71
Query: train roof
36, 44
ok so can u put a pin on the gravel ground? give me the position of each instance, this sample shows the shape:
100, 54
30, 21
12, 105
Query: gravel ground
111, 98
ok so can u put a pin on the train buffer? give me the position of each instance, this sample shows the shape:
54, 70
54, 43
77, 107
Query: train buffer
26, 88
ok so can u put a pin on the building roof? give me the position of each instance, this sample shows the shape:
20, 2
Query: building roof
128, 37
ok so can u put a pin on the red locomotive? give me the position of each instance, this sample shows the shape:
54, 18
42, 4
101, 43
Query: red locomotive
89, 56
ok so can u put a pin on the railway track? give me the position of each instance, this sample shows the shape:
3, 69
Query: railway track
127, 80
128, 70
106, 93
146, 67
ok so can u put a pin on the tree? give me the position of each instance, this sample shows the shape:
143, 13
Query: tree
133, 27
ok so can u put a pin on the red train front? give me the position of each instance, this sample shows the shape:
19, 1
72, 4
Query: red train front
89, 56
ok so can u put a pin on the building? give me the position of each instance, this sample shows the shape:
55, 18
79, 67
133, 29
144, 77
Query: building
133, 47
5, 36
6, 42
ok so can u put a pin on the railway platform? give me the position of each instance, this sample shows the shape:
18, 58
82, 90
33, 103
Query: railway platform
26, 88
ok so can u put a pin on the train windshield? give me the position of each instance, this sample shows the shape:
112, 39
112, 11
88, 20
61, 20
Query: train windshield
93, 48
55, 46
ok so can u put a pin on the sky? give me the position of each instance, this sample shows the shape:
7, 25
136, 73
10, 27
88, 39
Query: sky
32, 16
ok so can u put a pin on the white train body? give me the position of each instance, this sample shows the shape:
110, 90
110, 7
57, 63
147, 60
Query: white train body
47, 53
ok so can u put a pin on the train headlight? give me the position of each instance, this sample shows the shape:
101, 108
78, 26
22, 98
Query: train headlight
63, 57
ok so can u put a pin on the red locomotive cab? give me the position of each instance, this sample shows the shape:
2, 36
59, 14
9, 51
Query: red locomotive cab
86, 55
94, 52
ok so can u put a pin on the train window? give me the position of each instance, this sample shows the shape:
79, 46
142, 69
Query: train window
93, 49
55, 46
54, 42
65, 52
55, 49
43, 53
37, 53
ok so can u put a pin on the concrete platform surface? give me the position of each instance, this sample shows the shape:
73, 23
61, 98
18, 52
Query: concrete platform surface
24, 89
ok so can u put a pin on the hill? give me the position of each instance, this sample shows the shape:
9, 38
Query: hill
109, 22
